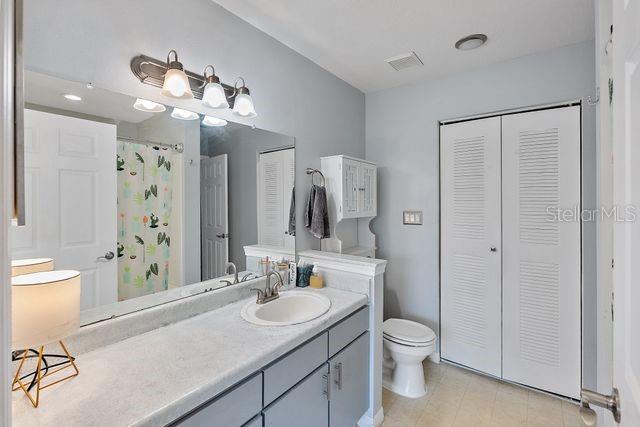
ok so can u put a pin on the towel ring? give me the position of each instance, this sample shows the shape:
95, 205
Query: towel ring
313, 172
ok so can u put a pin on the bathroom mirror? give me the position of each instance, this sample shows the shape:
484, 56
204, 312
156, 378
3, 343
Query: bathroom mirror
147, 201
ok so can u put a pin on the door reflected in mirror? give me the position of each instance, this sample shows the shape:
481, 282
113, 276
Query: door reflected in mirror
143, 202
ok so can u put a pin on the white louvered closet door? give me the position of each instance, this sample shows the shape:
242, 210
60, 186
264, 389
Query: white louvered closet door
541, 256
470, 191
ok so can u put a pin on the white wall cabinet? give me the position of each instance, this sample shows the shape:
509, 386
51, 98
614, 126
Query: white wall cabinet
352, 201
511, 271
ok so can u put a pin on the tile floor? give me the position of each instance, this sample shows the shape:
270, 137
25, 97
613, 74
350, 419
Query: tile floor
458, 397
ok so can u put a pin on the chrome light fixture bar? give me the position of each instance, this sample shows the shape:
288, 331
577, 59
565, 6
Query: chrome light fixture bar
153, 71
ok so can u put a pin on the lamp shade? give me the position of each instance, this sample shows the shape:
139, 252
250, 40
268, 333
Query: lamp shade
176, 84
148, 106
243, 106
31, 265
180, 114
214, 96
213, 121
45, 307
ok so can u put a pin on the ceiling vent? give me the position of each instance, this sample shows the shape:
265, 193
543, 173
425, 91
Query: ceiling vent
404, 61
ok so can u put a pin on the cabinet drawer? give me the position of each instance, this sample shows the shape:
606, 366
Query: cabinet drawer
234, 408
286, 372
304, 405
348, 330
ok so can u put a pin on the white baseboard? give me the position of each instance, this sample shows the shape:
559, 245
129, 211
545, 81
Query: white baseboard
376, 421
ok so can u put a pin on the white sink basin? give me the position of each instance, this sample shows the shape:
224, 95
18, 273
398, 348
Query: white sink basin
291, 308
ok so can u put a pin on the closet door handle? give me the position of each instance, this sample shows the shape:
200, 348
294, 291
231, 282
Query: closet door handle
493, 249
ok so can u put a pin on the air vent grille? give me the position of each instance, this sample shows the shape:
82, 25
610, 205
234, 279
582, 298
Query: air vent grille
404, 61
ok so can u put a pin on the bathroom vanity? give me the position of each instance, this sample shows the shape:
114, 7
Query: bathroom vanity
323, 382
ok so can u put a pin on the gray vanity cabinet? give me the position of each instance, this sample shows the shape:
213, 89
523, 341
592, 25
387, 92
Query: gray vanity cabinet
305, 404
349, 383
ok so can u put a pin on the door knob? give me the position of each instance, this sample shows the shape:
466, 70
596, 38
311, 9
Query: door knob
493, 249
108, 256
607, 401
222, 235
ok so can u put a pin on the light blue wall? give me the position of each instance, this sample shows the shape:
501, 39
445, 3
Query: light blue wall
94, 41
402, 137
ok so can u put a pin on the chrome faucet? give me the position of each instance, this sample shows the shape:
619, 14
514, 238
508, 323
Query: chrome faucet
269, 293
235, 274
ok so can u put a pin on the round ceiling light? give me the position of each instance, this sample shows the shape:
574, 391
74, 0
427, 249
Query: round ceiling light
471, 42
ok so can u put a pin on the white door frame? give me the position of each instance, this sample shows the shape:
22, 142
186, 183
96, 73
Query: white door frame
6, 198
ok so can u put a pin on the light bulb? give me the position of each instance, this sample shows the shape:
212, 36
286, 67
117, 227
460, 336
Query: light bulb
243, 105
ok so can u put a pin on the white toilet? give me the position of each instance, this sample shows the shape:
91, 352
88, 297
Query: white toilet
406, 345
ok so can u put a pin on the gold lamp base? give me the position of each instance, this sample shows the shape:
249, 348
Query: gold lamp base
38, 382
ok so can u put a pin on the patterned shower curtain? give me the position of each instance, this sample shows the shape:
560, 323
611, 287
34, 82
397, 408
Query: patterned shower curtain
144, 217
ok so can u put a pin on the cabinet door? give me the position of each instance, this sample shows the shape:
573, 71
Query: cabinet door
367, 190
541, 257
470, 244
305, 404
350, 170
349, 383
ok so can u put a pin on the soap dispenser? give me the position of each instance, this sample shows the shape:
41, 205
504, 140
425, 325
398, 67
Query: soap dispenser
316, 281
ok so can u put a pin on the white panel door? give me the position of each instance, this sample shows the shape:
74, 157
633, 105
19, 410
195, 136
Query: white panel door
71, 203
289, 162
350, 172
214, 215
626, 194
470, 244
541, 249
367, 190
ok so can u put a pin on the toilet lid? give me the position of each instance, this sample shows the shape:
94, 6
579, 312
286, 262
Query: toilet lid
406, 330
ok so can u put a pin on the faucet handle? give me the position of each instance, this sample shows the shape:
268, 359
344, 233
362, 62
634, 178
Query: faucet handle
261, 294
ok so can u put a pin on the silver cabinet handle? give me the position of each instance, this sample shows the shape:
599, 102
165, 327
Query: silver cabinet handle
338, 380
327, 387
108, 256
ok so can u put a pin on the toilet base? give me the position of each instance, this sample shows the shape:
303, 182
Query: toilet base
406, 380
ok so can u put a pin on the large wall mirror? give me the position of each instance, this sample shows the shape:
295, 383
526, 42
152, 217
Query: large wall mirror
149, 202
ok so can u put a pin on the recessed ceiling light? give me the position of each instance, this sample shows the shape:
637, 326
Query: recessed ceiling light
148, 106
179, 113
72, 97
213, 121
471, 42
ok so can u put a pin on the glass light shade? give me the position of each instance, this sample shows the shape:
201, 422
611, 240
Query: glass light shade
32, 265
176, 84
179, 113
213, 121
148, 106
45, 307
243, 106
214, 96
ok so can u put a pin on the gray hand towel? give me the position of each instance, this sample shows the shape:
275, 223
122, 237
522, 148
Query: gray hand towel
292, 213
320, 216
308, 215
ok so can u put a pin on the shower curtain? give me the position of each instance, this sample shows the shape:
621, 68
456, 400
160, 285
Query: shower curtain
144, 217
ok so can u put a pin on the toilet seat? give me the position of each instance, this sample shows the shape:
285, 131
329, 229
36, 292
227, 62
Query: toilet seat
406, 332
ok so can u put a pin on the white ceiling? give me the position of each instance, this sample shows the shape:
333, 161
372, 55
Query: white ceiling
352, 38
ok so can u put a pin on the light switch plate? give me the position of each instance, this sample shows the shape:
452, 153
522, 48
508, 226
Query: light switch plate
412, 217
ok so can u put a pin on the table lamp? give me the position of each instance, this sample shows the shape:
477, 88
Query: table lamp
32, 265
45, 309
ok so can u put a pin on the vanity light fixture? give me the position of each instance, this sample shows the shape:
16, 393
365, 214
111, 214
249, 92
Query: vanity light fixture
180, 114
213, 121
243, 105
148, 106
471, 42
176, 83
72, 97
213, 95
